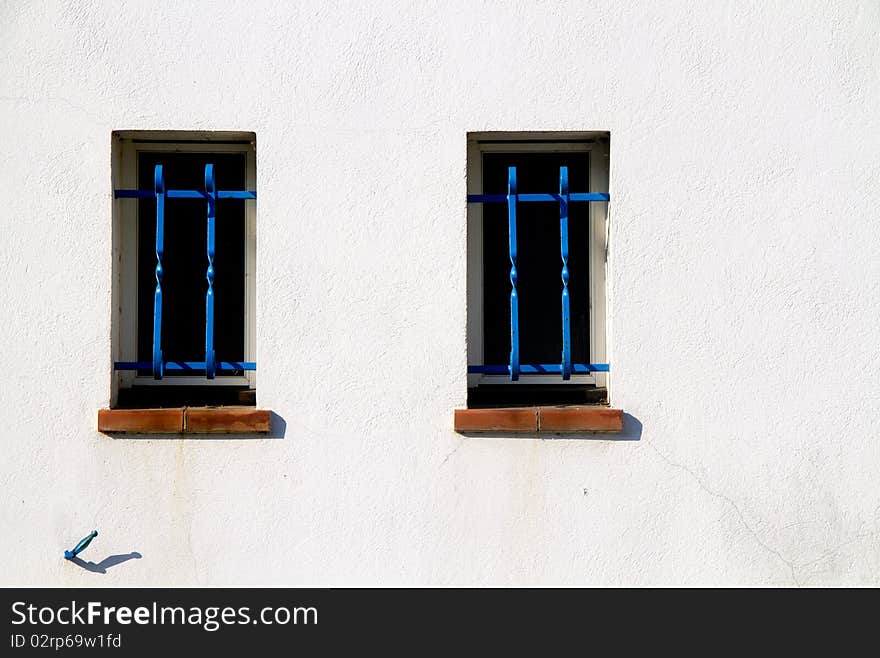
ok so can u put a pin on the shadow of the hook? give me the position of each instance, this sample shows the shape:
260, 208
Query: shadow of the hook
106, 563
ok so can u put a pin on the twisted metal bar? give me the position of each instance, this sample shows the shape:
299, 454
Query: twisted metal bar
211, 193
566, 308
514, 299
159, 185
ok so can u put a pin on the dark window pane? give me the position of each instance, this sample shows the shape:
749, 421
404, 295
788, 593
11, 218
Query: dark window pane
185, 261
539, 261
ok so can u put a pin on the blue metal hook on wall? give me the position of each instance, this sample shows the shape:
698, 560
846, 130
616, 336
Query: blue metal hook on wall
81, 546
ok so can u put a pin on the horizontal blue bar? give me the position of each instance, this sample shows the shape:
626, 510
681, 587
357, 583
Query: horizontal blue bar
185, 365
556, 198
184, 194
537, 368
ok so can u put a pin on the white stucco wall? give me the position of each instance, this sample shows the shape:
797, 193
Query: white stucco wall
744, 293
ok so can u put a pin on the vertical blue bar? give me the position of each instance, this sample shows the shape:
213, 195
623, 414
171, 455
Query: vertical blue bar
563, 237
211, 192
159, 187
514, 300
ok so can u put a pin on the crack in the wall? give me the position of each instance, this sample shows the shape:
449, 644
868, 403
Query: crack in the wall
792, 567
833, 551
455, 450
732, 503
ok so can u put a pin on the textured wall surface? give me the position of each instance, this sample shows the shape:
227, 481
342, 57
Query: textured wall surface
744, 293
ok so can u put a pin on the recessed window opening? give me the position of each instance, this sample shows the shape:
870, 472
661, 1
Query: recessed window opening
184, 236
557, 249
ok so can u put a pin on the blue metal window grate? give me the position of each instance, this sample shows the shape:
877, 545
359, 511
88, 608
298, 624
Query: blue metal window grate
210, 366
564, 198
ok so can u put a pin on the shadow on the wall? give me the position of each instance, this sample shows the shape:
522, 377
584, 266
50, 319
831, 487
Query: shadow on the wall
632, 428
106, 563
277, 426
632, 431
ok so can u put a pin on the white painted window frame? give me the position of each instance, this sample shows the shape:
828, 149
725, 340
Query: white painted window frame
125, 213
597, 144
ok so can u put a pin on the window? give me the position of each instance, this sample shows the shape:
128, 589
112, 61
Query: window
536, 299
184, 260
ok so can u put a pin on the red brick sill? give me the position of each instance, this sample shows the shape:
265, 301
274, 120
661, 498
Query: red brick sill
536, 420
185, 420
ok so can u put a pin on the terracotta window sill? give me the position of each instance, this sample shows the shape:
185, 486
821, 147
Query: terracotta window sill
185, 420
537, 420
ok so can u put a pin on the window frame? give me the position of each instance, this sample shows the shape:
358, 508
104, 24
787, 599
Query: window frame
597, 145
127, 146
